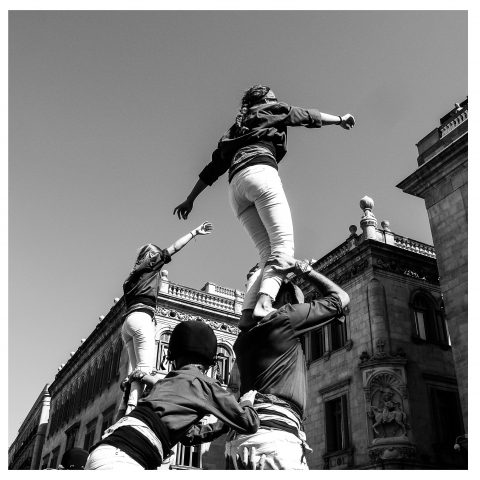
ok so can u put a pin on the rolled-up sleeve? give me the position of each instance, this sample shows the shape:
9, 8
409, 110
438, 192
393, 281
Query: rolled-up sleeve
306, 316
216, 168
303, 117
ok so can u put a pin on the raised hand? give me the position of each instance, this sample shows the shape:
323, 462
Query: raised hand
184, 209
348, 121
204, 229
249, 461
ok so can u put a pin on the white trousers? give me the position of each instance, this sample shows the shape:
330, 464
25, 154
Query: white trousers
108, 457
260, 204
282, 450
138, 335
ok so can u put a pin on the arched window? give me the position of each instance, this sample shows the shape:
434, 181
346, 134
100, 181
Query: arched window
58, 419
91, 383
116, 360
54, 422
428, 320
68, 405
77, 399
162, 353
103, 380
63, 410
98, 379
223, 366
108, 366
73, 399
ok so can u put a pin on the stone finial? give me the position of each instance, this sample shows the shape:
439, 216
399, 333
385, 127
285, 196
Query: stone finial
353, 230
368, 222
164, 282
386, 225
367, 204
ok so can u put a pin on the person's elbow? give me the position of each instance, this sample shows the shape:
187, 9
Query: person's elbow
253, 428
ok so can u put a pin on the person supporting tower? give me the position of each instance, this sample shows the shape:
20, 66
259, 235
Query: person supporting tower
270, 359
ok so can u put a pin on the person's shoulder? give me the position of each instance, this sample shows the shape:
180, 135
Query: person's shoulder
275, 108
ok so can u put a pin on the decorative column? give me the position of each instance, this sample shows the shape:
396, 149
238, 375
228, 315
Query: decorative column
238, 304
164, 281
377, 312
368, 221
387, 233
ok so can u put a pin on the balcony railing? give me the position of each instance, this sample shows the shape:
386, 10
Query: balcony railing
202, 298
454, 123
414, 246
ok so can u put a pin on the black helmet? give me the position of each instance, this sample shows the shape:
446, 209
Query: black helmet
193, 338
74, 459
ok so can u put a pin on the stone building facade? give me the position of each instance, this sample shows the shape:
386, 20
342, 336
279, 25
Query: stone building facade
442, 181
26, 450
382, 387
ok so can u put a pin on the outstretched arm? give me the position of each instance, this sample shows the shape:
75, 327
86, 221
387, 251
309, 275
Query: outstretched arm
346, 121
184, 209
204, 229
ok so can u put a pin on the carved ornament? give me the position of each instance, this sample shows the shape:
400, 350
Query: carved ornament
182, 316
406, 269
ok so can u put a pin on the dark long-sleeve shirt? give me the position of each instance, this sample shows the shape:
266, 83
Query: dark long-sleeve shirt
186, 395
140, 288
269, 355
268, 127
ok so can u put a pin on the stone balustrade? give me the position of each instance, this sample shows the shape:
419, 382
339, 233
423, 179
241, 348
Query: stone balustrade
414, 246
200, 297
454, 123
229, 292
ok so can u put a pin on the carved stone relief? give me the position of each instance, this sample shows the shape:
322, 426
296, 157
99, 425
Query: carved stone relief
385, 395
403, 268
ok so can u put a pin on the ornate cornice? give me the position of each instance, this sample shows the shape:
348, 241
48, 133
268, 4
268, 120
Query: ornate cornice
408, 268
183, 316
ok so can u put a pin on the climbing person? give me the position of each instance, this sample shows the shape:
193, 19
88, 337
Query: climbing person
174, 407
140, 294
250, 150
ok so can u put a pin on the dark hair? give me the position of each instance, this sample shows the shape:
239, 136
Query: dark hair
253, 96
143, 251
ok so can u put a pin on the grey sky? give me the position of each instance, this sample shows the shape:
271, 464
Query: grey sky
114, 114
